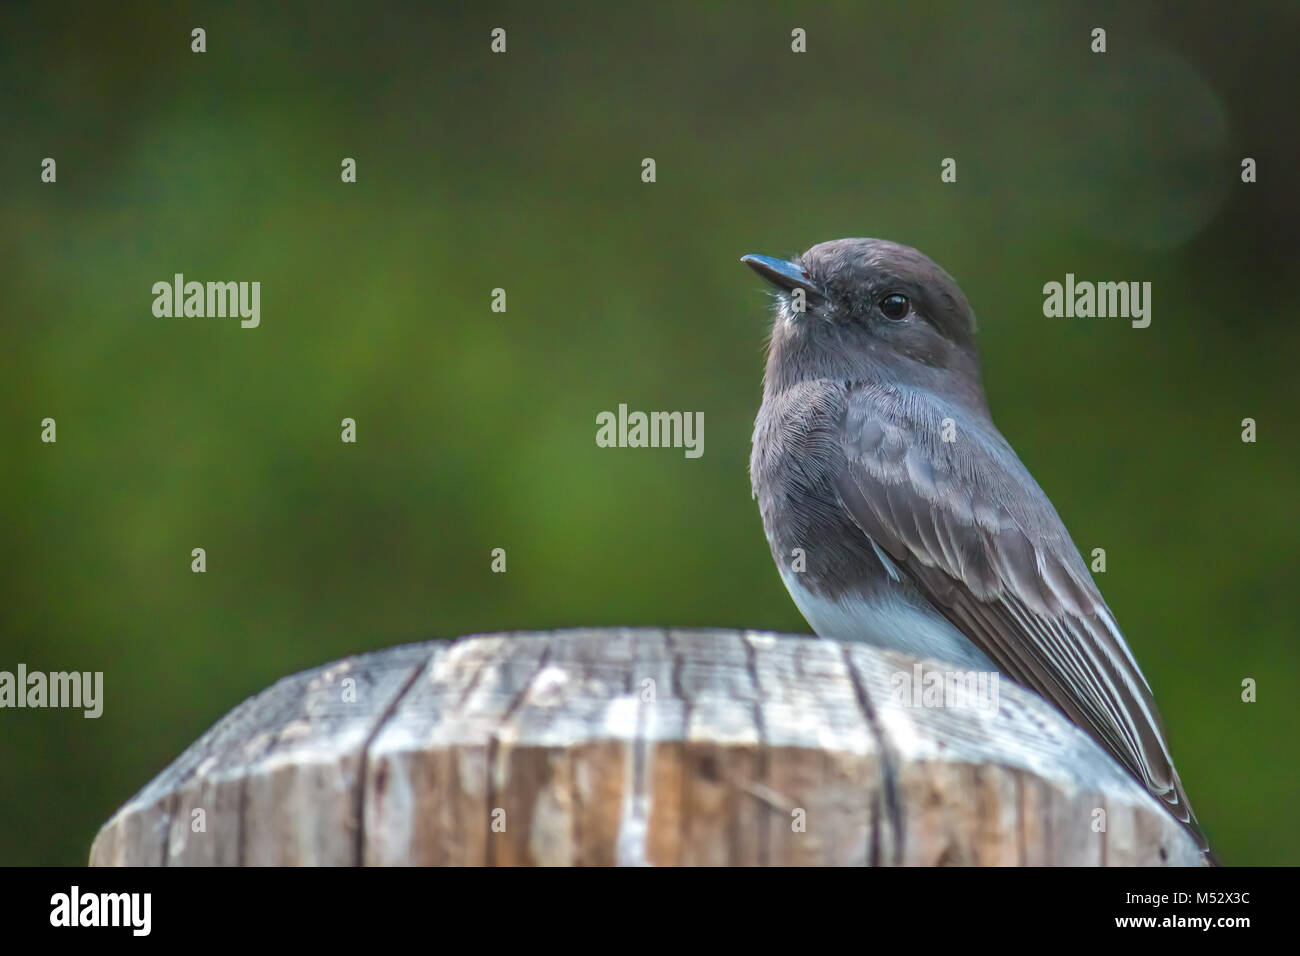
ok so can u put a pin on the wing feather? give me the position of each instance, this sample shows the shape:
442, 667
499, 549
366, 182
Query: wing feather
967, 523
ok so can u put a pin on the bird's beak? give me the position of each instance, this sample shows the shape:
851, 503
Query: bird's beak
787, 275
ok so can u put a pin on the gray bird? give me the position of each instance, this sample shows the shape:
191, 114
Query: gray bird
917, 526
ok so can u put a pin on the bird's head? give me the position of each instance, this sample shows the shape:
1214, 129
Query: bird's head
848, 306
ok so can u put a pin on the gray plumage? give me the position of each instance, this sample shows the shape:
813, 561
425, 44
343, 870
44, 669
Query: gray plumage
944, 548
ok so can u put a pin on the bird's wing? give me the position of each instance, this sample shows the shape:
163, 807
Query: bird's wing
969, 525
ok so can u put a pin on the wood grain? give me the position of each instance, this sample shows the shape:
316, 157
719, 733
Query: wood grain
638, 747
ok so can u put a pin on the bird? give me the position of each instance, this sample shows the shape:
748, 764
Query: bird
898, 514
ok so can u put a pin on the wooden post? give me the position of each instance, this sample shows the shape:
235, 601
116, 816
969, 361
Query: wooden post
610, 746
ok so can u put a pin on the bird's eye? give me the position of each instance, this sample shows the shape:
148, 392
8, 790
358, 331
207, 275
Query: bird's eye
895, 306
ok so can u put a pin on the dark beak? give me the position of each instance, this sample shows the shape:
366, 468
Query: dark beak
786, 275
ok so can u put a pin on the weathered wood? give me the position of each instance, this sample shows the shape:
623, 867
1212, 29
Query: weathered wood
638, 747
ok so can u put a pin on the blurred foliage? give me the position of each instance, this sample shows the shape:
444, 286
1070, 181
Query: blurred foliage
476, 429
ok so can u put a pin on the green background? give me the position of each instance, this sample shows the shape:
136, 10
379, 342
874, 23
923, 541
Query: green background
476, 429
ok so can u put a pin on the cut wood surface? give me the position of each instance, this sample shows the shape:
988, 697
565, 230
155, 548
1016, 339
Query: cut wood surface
632, 747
